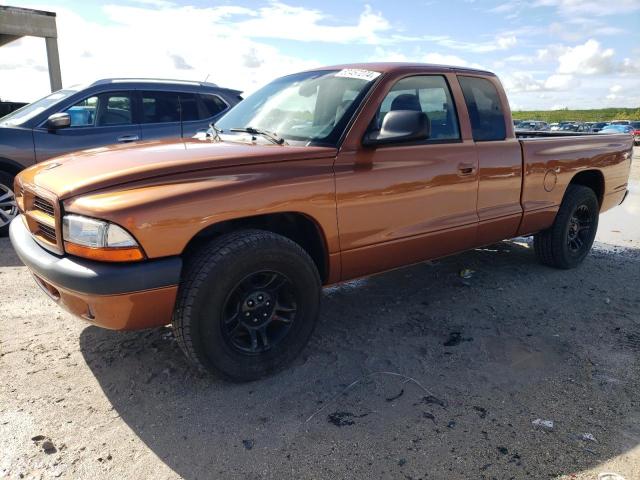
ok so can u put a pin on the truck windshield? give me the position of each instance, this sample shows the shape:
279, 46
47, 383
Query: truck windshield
29, 111
309, 108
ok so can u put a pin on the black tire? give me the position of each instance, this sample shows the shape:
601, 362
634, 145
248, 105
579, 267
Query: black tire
568, 241
214, 288
7, 212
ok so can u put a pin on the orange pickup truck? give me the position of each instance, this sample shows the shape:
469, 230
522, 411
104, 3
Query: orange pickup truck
317, 178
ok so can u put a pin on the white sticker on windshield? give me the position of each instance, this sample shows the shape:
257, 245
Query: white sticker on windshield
359, 74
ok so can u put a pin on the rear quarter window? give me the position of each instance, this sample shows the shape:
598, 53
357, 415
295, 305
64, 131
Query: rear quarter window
212, 105
484, 107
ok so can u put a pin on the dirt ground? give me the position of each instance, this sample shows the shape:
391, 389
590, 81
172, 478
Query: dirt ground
417, 373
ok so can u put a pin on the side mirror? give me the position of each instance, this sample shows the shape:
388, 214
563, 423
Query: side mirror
58, 120
400, 126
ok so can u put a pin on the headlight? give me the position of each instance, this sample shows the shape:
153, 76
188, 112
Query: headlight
99, 240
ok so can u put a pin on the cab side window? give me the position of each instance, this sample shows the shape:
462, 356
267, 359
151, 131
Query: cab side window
428, 94
114, 109
83, 113
160, 107
189, 107
485, 109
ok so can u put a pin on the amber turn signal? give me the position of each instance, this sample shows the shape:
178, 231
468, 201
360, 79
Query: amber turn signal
105, 254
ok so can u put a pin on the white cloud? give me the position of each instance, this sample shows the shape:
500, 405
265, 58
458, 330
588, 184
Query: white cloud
417, 56
133, 42
500, 42
560, 82
440, 59
590, 7
614, 91
282, 21
587, 59
629, 66
518, 82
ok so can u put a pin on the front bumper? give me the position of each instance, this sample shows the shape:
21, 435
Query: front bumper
124, 296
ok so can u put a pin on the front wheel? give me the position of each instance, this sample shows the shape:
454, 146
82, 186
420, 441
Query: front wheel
568, 241
247, 305
8, 205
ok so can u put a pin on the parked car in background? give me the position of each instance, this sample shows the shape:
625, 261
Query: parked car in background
620, 122
597, 126
7, 107
635, 125
554, 126
575, 127
536, 125
617, 129
106, 112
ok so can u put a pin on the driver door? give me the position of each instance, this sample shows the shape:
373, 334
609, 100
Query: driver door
403, 203
96, 121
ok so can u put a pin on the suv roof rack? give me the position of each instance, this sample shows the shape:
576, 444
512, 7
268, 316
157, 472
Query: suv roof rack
154, 80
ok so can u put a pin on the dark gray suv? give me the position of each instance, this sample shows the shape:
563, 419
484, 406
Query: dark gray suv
110, 111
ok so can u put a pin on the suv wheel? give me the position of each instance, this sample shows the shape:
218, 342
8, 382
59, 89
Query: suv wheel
247, 304
570, 238
8, 205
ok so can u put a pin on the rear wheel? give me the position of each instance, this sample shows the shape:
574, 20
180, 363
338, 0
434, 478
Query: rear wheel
247, 304
8, 205
570, 238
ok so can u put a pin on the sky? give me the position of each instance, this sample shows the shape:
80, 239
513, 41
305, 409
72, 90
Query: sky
549, 54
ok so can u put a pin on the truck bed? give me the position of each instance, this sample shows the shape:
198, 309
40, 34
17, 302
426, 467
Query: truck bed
551, 160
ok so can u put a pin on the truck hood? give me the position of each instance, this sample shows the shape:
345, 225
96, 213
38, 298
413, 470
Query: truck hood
90, 170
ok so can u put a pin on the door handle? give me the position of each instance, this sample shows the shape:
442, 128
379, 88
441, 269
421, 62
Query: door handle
466, 168
128, 138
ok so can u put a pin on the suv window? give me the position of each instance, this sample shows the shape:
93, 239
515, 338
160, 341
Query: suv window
189, 106
485, 110
103, 110
160, 107
211, 105
83, 113
428, 94
114, 109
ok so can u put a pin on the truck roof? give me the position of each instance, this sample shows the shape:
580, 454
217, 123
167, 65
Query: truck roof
388, 67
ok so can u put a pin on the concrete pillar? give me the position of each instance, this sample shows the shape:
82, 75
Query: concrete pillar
53, 59
16, 22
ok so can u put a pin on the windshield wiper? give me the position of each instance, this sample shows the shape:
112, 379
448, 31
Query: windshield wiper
258, 131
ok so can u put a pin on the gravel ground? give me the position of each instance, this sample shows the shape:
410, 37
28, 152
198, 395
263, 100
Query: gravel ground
417, 373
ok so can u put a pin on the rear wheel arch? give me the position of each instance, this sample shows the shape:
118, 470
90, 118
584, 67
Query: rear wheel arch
593, 179
296, 226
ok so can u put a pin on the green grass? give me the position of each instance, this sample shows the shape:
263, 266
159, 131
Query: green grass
599, 115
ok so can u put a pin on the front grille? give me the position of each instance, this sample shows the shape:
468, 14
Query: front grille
42, 216
43, 205
47, 232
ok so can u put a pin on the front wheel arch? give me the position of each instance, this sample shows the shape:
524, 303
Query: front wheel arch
296, 226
